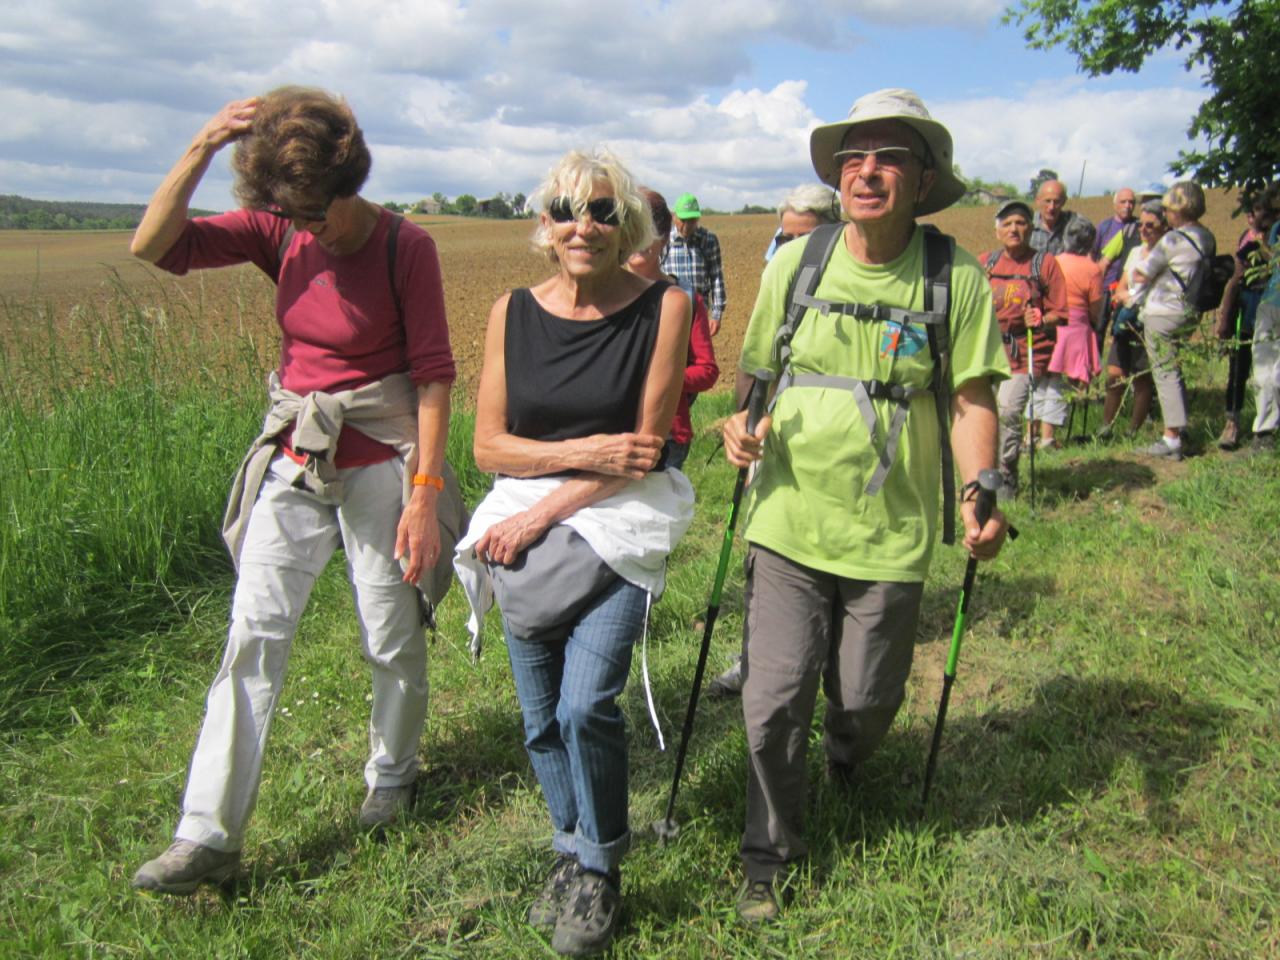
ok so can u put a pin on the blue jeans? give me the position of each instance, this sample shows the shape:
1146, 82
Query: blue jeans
568, 684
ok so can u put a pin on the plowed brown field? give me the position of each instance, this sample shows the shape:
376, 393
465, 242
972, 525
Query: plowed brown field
68, 274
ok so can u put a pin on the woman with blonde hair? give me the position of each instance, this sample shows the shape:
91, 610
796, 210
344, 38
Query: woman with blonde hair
582, 374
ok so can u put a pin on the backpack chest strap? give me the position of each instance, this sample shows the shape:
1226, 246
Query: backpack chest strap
870, 311
864, 391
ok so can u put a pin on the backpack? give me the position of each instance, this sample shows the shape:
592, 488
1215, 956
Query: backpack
939, 253
1034, 278
1213, 274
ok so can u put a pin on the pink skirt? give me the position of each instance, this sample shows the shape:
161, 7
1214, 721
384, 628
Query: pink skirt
1075, 355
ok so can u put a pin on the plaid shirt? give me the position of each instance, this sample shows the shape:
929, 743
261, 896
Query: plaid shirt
696, 265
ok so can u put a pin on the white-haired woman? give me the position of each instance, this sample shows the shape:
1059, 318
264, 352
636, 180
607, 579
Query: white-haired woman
1173, 272
582, 375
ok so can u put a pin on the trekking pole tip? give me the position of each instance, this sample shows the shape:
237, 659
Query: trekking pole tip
666, 829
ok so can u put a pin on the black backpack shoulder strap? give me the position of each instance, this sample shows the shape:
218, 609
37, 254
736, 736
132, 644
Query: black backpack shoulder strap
992, 259
939, 255
818, 247
393, 238
283, 249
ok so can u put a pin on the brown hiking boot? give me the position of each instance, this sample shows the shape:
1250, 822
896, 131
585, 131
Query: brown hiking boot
1230, 436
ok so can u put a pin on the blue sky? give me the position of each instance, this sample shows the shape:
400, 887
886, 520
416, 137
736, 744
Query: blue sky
716, 96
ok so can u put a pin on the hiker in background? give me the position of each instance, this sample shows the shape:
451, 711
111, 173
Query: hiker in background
1239, 307
693, 258
1117, 235
800, 212
1173, 273
312, 482
1029, 293
1127, 357
701, 371
836, 564
582, 375
1048, 232
1075, 352
1266, 342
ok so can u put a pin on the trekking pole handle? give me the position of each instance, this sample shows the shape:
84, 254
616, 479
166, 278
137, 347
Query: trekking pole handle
757, 396
989, 483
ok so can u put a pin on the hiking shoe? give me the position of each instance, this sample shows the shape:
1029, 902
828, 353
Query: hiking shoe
384, 806
757, 903
589, 915
1163, 450
1048, 443
184, 866
1105, 432
1263, 443
1229, 439
545, 910
1008, 486
728, 684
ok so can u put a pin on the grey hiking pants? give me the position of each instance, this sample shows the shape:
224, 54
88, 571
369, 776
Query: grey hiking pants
1163, 335
803, 625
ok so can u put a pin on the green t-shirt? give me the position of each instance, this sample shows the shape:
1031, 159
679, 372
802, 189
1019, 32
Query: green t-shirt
807, 501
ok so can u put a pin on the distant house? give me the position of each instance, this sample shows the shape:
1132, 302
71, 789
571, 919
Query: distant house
988, 195
429, 206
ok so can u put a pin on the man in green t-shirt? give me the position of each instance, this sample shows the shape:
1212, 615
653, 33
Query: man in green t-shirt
835, 574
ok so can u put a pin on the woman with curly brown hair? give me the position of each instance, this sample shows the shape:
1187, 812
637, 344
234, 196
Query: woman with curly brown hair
351, 453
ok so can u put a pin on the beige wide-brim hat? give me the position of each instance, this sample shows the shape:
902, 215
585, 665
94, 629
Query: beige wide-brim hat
906, 107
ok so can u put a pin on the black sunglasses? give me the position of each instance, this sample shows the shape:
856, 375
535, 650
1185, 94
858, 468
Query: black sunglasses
603, 210
310, 216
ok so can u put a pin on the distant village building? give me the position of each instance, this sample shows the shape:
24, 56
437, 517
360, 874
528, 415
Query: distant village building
989, 195
430, 206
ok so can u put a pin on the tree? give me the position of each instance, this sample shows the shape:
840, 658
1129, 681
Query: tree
1044, 176
465, 205
1235, 45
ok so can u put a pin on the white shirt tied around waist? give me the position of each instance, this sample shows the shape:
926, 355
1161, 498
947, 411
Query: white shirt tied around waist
631, 531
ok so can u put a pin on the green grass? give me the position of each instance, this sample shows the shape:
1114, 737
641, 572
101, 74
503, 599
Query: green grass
1108, 784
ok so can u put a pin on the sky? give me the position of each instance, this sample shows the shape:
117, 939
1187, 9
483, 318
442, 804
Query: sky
715, 97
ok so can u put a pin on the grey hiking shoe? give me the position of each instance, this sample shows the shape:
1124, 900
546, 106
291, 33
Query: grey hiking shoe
545, 910
729, 683
1262, 443
757, 903
384, 806
1162, 450
184, 866
1105, 432
1008, 486
590, 914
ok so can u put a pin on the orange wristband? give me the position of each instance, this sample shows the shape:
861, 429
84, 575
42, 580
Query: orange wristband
427, 480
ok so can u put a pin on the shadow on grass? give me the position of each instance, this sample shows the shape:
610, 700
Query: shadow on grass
1074, 738
472, 771
1081, 479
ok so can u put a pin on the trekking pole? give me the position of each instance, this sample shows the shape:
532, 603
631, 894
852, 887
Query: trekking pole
988, 484
666, 828
1031, 419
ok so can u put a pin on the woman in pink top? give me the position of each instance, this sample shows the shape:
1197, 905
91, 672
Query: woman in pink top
1075, 355
360, 398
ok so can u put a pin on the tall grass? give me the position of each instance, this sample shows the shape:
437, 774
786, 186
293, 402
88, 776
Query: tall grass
1107, 784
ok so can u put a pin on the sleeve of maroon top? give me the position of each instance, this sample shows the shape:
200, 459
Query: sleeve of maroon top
702, 371
239, 236
422, 299
1055, 294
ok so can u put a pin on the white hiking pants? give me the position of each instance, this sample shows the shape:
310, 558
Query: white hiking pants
1266, 368
291, 535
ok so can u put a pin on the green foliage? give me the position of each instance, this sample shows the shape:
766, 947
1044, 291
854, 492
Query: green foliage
1235, 45
465, 205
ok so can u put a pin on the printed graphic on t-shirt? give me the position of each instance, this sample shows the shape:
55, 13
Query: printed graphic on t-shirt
897, 341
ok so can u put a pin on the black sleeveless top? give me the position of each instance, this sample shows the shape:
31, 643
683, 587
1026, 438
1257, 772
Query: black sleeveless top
573, 378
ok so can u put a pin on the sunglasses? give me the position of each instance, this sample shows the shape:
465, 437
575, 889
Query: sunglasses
891, 158
309, 216
603, 210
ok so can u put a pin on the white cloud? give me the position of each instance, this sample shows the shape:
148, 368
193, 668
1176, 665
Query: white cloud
481, 96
